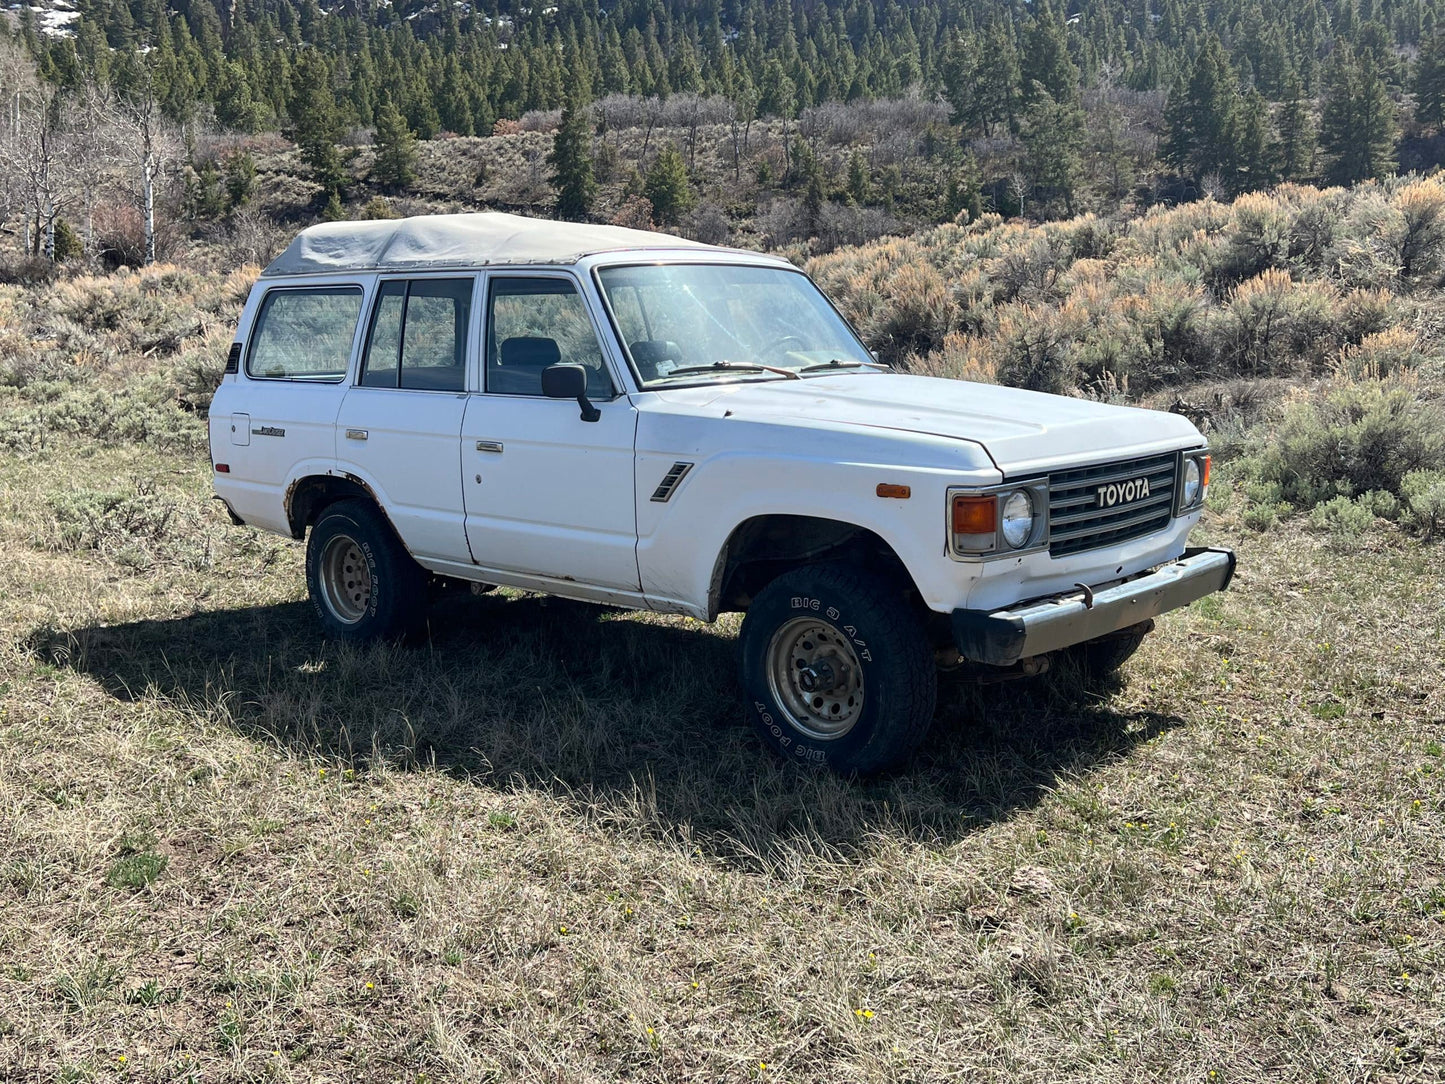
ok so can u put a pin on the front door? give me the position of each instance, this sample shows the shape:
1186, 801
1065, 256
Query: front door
398, 425
548, 495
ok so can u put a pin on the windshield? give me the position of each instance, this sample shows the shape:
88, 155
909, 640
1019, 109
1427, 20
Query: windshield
700, 322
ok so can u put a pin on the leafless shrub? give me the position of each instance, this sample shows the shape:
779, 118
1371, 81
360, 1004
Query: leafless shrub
635, 213
249, 237
540, 120
708, 224
845, 124
840, 224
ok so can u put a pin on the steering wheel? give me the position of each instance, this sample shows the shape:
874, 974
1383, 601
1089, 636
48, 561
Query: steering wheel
780, 345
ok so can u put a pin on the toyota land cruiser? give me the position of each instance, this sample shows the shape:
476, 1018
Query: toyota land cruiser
633, 419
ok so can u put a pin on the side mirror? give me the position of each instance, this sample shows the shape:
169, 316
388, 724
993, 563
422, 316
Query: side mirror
569, 382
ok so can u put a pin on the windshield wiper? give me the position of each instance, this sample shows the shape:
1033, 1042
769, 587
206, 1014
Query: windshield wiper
837, 363
733, 366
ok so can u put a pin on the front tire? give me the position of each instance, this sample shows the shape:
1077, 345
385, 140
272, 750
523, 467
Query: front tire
363, 584
837, 670
1097, 662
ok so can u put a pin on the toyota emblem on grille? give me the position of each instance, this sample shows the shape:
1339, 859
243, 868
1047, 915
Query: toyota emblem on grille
1135, 489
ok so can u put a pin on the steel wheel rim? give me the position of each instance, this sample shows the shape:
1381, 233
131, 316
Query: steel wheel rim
815, 678
345, 579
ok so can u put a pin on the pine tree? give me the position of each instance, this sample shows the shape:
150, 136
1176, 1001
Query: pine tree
571, 160
316, 124
1053, 134
394, 166
1357, 120
1046, 60
1199, 116
1429, 83
667, 187
999, 78
860, 187
961, 85
1251, 159
1295, 145
239, 171
235, 106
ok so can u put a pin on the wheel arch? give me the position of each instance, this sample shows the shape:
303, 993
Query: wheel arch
763, 547
308, 496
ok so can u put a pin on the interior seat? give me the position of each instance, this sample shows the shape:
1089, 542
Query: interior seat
519, 364
651, 353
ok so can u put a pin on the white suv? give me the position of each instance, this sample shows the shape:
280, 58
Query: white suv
634, 419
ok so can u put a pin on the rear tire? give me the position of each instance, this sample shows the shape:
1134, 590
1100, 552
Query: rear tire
837, 670
363, 584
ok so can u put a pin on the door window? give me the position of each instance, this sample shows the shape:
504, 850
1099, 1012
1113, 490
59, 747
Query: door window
418, 336
536, 322
304, 334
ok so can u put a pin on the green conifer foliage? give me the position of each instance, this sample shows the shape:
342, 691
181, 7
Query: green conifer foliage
395, 163
1357, 119
667, 187
571, 162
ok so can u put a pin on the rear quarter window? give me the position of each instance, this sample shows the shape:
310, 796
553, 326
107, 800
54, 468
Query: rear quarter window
304, 333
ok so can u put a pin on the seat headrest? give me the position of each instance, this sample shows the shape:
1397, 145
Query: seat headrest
529, 352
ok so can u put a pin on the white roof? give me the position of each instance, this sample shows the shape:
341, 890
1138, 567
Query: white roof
466, 240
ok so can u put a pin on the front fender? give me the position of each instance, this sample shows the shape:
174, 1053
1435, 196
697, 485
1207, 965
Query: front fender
682, 539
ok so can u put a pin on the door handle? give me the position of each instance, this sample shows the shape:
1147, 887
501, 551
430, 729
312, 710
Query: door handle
356, 434
490, 446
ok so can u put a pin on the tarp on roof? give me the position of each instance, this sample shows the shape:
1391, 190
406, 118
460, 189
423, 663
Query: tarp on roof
465, 240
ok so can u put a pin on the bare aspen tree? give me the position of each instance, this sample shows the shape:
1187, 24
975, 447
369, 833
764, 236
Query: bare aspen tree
18, 84
101, 150
42, 156
150, 147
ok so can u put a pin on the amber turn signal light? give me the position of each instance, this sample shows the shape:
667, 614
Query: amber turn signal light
888, 489
1204, 471
974, 515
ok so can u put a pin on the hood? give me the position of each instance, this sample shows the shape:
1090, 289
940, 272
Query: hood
1022, 431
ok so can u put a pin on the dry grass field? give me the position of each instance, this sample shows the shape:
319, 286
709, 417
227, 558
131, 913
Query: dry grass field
543, 844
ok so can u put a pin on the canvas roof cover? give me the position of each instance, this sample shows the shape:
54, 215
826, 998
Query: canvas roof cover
464, 240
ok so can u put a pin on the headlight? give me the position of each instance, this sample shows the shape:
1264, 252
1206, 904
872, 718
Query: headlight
1196, 481
1193, 479
1017, 519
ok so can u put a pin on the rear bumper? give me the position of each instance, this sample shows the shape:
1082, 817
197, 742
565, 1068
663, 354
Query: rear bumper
1003, 637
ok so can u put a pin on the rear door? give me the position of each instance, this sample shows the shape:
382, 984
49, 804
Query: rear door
284, 407
547, 494
398, 425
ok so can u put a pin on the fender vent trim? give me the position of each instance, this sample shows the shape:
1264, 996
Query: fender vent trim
665, 488
233, 358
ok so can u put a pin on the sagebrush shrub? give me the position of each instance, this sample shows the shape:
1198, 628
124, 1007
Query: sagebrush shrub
1273, 326
914, 315
1421, 230
1382, 354
1423, 493
1342, 516
1033, 347
1354, 438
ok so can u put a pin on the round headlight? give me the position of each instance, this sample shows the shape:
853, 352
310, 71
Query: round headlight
1192, 481
1017, 520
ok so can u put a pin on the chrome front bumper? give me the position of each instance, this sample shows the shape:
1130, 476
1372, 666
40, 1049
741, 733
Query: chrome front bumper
1003, 637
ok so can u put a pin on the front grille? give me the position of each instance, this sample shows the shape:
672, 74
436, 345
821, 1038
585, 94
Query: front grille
1077, 519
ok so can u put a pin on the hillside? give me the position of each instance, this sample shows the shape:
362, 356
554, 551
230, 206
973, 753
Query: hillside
823, 122
545, 845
